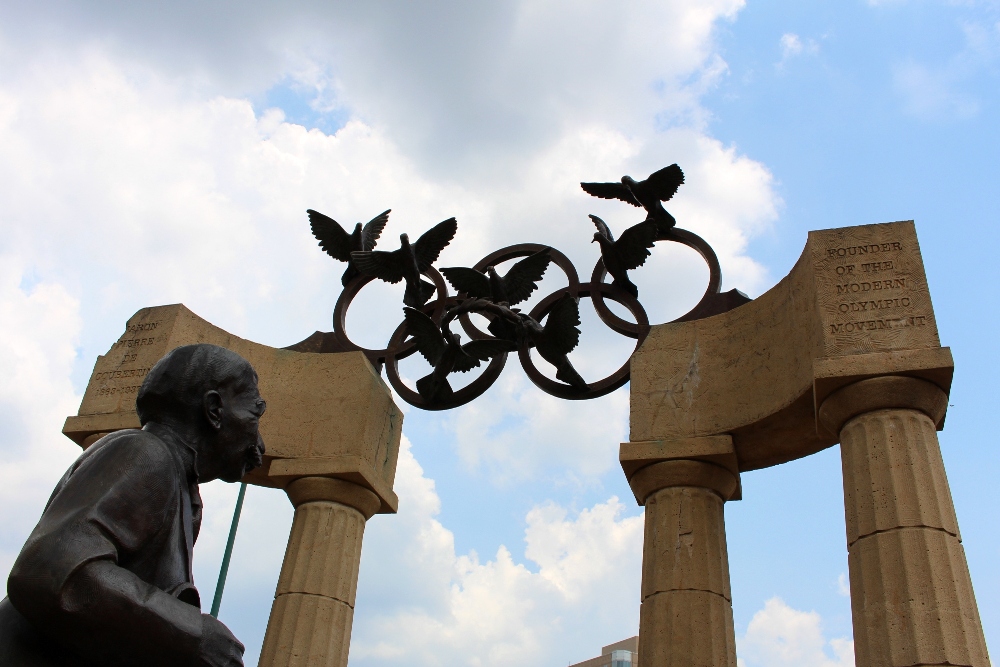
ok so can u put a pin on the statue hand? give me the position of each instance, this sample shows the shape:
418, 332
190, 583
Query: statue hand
218, 646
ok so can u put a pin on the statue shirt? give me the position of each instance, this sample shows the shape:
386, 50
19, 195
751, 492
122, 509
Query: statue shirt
129, 510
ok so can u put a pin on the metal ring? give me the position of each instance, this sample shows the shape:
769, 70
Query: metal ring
513, 252
468, 393
605, 385
676, 235
352, 289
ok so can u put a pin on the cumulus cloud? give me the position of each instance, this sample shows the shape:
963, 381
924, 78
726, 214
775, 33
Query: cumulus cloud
41, 325
419, 601
780, 636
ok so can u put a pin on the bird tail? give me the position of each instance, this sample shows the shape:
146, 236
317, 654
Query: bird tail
434, 390
626, 285
568, 374
417, 296
350, 274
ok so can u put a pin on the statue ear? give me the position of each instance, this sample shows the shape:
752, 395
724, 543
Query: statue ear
213, 408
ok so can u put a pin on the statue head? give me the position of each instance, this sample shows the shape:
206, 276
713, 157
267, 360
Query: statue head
209, 395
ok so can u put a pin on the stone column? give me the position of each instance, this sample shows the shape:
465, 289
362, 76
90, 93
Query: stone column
911, 595
313, 607
686, 614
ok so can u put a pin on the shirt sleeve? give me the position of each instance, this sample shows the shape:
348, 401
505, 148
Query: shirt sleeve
67, 580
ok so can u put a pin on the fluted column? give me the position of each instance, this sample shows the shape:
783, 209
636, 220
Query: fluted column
313, 607
686, 614
911, 596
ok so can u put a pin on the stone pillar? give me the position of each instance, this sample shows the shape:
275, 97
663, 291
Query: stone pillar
686, 614
911, 595
313, 607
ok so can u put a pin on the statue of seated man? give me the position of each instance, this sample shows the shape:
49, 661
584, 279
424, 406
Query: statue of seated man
105, 579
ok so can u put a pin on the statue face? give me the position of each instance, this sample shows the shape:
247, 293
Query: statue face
239, 445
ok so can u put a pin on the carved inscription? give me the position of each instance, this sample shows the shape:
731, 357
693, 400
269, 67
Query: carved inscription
871, 289
121, 373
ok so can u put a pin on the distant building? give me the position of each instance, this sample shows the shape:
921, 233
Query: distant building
620, 654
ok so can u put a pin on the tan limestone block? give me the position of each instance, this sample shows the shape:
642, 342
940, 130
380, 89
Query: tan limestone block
912, 601
714, 449
324, 551
686, 629
752, 372
307, 631
685, 543
894, 475
331, 412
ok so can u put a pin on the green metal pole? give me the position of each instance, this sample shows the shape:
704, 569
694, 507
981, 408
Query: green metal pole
217, 602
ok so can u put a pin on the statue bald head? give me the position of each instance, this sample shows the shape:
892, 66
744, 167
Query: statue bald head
175, 387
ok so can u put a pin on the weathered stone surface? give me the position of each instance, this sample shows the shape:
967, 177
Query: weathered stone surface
686, 528
307, 631
751, 373
893, 475
686, 629
328, 414
911, 596
313, 609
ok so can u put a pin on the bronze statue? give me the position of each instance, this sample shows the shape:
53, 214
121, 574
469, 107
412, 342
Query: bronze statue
105, 578
628, 252
339, 244
659, 187
510, 289
409, 261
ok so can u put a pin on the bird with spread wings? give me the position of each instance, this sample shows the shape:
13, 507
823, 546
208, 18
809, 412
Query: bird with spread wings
409, 261
337, 243
444, 351
628, 252
660, 186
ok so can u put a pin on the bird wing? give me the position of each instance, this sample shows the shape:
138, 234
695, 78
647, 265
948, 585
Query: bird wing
430, 342
470, 281
560, 334
481, 350
432, 242
331, 236
387, 266
610, 191
523, 277
602, 227
663, 184
373, 230
631, 248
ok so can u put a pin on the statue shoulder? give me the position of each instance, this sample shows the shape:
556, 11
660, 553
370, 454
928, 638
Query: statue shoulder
133, 449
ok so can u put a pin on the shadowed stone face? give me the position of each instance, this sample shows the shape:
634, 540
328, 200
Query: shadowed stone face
106, 576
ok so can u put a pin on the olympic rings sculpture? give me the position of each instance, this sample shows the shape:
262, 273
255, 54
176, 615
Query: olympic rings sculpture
445, 307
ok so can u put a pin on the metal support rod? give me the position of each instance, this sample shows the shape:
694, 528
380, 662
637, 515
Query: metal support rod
224, 570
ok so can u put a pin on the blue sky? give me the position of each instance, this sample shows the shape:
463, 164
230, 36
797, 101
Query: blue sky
167, 154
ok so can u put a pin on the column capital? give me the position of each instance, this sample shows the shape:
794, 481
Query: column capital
650, 465
317, 489
881, 393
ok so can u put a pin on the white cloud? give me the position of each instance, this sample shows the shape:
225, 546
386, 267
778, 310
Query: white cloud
843, 586
780, 636
791, 45
580, 588
41, 324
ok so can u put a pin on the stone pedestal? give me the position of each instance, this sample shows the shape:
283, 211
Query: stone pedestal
313, 608
686, 614
911, 595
